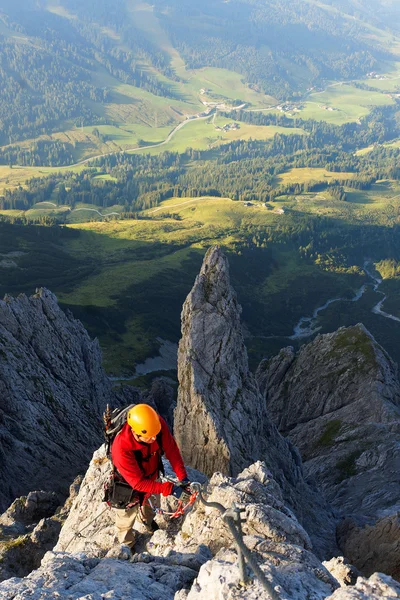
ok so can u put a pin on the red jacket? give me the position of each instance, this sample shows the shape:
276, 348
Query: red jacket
142, 480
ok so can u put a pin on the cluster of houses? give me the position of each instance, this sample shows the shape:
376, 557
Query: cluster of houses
330, 108
289, 107
278, 211
227, 127
374, 75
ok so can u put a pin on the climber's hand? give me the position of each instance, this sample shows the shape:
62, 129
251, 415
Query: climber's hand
183, 493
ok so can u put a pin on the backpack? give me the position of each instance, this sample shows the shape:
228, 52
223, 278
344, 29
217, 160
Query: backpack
114, 420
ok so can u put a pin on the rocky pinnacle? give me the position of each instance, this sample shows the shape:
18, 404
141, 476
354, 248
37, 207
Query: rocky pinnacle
221, 422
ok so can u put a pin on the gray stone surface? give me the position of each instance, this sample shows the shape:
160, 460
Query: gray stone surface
29, 528
342, 570
176, 554
338, 401
378, 586
27, 510
73, 577
53, 391
19, 555
374, 546
221, 423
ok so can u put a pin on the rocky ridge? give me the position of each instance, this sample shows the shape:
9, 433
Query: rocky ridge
193, 561
221, 422
202, 548
53, 391
338, 401
197, 560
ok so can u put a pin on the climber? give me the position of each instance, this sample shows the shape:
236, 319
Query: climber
136, 455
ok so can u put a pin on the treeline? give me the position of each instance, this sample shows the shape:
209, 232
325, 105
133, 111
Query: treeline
144, 181
382, 124
43, 152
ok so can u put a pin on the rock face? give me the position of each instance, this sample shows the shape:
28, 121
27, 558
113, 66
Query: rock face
221, 423
53, 391
201, 550
373, 547
27, 531
196, 560
73, 577
338, 401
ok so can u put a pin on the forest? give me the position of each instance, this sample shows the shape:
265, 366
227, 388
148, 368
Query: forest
55, 71
242, 170
270, 44
49, 79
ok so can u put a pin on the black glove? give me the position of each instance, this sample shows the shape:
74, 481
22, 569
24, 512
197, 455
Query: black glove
182, 493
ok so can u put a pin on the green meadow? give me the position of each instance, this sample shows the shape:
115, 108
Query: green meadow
143, 269
127, 279
342, 103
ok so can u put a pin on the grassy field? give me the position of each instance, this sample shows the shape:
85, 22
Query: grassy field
135, 259
13, 177
202, 134
134, 115
126, 280
310, 174
341, 103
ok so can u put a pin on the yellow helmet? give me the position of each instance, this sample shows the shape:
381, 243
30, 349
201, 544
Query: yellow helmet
144, 420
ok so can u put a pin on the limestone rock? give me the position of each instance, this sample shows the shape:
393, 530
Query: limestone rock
21, 555
377, 587
292, 573
73, 577
374, 546
341, 569
26, 511
163, 396
271, 531
177, 553
29, 528
338, 401
221, 423
89, 527
53, 391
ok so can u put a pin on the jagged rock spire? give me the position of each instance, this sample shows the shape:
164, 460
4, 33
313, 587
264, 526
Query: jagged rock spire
52, 389
221, 422
218, 404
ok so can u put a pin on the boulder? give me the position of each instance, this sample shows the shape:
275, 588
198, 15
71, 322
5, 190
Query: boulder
377, 587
